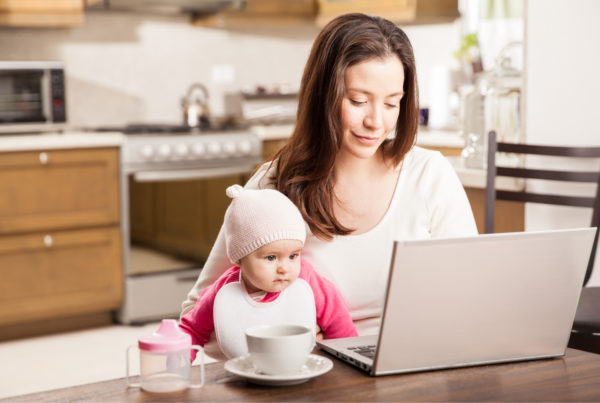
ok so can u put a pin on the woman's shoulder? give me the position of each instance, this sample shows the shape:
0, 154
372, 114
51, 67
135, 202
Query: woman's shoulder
419, 154
262, 177
421, 158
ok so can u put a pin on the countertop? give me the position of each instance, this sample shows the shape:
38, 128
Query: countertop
476, 178
469, 177
77, 139
425, 137
273, 132
440, 138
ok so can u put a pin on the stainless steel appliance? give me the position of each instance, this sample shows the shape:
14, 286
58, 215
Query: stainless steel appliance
32, 97
262, 107
173, 181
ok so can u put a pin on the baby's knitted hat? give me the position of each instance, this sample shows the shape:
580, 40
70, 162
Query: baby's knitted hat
257, 217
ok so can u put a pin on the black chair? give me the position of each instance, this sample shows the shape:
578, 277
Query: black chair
585, 334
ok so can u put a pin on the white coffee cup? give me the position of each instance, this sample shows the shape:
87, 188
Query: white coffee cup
279, 349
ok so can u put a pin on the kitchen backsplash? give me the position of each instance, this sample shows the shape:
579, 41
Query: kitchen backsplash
124, 68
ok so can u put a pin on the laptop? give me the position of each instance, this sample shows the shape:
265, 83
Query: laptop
477, 300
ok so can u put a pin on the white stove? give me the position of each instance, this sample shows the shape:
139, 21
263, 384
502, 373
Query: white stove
198, 149
156, 282
190, 155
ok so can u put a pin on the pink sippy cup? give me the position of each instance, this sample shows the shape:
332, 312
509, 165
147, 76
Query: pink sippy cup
165, 359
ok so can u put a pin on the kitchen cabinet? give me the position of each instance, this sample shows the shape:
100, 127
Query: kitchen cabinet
510, 216
41, 13
60, 236
319, 12
399, 11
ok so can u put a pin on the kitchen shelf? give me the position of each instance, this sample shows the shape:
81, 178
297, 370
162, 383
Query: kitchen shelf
41, 13
281, 13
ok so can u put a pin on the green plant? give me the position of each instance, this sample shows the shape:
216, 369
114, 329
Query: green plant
468, 44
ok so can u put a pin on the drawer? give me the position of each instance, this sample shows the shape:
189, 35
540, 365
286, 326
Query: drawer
55, 274
58, 189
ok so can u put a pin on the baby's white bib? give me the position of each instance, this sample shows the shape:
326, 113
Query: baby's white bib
234, 311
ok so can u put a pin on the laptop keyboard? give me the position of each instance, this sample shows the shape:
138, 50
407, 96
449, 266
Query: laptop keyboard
366, 351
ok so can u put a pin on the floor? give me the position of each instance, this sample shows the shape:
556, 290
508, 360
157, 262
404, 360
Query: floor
67, 359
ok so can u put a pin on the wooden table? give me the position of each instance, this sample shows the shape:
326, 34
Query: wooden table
576, 377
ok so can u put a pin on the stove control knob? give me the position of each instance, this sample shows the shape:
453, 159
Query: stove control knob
214, 148
181, 150
245, 147
147, 152
229, 148
198, 149
164, 151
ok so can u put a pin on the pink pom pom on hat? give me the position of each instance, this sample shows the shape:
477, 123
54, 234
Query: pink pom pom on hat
257, 217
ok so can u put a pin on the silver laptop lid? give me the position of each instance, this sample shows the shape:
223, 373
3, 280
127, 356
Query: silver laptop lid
487, 299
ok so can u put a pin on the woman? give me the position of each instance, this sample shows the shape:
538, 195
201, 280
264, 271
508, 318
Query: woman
358, 187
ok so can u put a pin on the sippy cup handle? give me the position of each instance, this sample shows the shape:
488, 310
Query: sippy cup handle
201, 351
127, 376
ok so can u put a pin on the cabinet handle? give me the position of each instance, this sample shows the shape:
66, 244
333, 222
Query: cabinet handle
44, 158
48, 241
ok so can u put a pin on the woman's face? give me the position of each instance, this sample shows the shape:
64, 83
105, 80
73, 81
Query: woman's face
371, 105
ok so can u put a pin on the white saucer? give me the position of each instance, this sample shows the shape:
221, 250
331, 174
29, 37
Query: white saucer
315, 366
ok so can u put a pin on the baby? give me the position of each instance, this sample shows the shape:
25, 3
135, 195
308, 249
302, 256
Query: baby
270, 282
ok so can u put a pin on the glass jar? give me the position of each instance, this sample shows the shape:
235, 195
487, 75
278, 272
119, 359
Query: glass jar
473, 123
503, 102
494, 103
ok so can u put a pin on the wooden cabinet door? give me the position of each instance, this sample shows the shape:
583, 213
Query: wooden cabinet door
41, 13
399, 11
59, 189
395, 10
57, 274
509, 215
319, 12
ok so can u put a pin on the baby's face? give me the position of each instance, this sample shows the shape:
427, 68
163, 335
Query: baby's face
272, 267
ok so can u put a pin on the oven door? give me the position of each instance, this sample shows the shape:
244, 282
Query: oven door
173, 222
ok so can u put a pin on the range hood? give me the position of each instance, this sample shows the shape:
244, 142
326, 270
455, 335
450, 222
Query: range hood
197, 7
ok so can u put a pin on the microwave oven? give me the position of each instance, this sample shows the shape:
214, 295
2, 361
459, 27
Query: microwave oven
32, 97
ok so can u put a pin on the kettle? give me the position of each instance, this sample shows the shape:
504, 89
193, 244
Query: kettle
195, 107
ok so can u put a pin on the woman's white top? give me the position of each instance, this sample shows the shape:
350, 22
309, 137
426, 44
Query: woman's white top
429, 202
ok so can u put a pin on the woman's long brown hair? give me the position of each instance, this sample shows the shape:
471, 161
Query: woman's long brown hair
304, 165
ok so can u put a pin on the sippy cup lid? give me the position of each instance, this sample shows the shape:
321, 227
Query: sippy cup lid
168, 337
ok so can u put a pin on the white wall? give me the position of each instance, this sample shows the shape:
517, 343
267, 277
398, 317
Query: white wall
561, 94
124, 68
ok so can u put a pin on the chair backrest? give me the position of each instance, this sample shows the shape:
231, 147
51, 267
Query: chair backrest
491, 194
